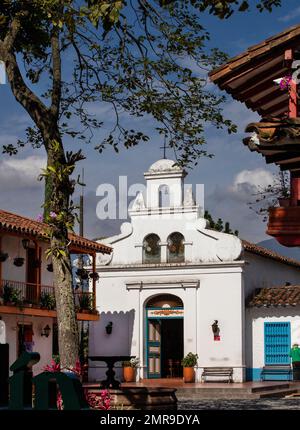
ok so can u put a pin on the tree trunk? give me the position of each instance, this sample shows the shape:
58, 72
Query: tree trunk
57, 200
58, 190
66, 316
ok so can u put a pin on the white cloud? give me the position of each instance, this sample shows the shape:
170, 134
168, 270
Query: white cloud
290, 16
231, 203
16, 173
254, 179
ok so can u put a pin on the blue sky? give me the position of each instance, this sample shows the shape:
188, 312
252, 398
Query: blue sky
229, 177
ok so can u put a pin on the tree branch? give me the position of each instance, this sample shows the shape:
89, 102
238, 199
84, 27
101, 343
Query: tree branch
33, 105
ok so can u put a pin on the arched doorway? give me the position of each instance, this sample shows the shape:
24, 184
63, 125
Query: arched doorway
164, 336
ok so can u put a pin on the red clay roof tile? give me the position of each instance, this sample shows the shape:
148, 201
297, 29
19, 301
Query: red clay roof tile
10, 222
288, 295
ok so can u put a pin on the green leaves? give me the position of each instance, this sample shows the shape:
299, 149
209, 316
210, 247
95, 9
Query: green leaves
106, 12
223, 9
131, 60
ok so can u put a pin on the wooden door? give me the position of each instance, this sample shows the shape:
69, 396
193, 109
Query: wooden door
31, 288
154, 348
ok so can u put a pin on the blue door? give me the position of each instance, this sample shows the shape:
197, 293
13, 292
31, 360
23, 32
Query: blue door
277, 342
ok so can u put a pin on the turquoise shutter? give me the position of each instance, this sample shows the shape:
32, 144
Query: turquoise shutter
277, 342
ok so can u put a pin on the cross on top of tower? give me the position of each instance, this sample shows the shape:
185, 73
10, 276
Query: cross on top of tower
164, 147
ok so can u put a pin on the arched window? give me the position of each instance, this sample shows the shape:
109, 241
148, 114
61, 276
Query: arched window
151, 249
164, 196
175, 248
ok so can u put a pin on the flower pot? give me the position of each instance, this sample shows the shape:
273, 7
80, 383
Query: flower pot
129, 374
284, 202
189, 374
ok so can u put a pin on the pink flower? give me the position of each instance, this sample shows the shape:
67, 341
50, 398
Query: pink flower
285, 82
53, 215
53, 367
40, 218
100, 401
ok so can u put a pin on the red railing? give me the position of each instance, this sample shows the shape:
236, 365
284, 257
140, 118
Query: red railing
24, 293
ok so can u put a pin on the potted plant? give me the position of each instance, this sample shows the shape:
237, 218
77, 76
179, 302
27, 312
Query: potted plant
82, 273
7, 294
3, 257
47, 301
85, 303
19, 261
188, 364
129, 369
16, 296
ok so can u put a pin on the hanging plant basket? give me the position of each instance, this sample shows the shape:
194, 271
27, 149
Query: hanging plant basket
94, 275
3, 257
82, 273
50, 267
19, 261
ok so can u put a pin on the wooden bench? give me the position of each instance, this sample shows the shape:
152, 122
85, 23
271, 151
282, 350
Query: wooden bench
225, 372
277, 370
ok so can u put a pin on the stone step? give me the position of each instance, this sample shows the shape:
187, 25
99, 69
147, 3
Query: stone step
270, 387
277, 393
207, 396
236, 393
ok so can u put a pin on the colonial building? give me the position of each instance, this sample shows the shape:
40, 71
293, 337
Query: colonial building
172, 285
27, 301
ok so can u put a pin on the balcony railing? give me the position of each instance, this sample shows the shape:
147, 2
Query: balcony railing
27, 294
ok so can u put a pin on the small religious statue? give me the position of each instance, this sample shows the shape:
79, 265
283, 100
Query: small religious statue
138, 203
216, 330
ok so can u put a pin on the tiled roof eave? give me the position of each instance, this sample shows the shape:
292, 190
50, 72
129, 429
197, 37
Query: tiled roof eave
264, 252
283, 296
17, 224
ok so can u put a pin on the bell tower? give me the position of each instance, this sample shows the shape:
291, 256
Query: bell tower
165, 183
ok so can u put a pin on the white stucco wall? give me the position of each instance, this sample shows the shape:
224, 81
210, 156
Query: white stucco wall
42, 344
208, 293
219, 280
13, 246
262, 272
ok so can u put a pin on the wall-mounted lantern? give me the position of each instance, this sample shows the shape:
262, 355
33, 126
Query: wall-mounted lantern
25, 243
109, 327
46, 331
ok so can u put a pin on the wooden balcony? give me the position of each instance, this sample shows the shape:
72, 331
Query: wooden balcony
284, 225
39, 300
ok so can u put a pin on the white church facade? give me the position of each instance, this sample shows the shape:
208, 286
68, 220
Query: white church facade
171, 280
